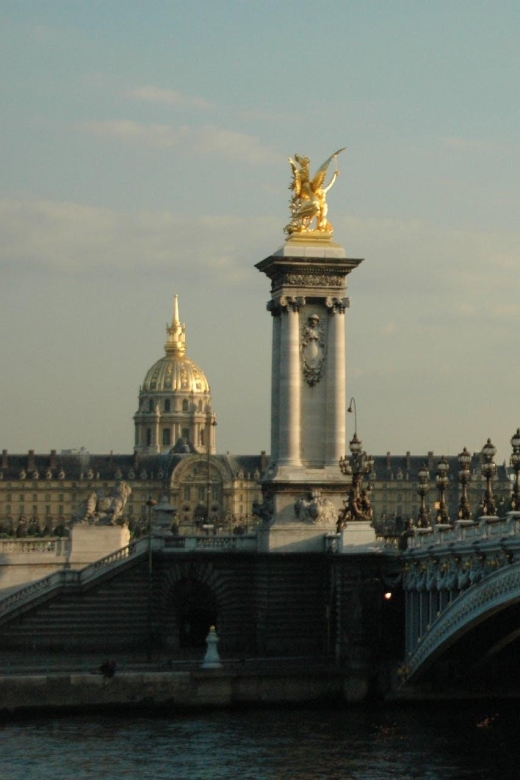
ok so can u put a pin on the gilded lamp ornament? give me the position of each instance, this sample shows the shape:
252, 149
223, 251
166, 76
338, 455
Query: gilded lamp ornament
309, 201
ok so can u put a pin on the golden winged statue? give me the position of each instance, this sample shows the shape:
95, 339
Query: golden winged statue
309, 200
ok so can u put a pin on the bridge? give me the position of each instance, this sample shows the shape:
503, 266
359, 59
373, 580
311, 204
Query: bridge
455, 601
462, 603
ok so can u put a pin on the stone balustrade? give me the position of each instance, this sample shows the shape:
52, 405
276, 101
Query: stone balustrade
239, 543
466, 531
24, 546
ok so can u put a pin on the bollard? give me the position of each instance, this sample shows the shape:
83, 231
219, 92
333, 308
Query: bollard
212, 658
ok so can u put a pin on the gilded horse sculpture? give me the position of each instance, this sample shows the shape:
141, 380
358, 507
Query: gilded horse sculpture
309, 200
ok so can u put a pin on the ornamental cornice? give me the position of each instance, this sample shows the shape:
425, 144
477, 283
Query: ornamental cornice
455, 571
306, 279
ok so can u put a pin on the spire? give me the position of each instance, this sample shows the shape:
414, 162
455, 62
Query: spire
176, 333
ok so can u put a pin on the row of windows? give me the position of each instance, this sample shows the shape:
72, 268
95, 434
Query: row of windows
167, 405
199, 493
39, 497
34, 511
166, 436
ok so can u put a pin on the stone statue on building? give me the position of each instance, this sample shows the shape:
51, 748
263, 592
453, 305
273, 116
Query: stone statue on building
103, 508
357, 507
309, 200
313, 350
264, 509
316, 509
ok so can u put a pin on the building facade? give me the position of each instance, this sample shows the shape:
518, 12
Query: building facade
175, 460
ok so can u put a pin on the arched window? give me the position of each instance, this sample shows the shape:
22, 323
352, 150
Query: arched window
185, 405
166, 437
148, 436
150, 404
167, 405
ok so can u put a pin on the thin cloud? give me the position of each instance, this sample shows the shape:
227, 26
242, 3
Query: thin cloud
388, 329
205, 140
468, 144
169, 97
71, 239
151, 135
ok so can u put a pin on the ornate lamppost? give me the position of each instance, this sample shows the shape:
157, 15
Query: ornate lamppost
357, 505
441, 480
423, 520
464, 458
515, 463
489, 469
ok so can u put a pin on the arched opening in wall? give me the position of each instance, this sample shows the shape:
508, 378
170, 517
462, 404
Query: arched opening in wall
196, 611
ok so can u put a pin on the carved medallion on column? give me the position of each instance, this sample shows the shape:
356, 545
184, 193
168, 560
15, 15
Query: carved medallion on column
313, 350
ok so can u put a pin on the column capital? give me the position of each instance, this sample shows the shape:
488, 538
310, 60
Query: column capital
337, 305
285, 303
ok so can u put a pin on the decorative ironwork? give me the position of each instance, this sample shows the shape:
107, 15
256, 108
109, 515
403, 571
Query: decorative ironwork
515, 463
489, 469
423, 518
464, 458
442, 480
358, 505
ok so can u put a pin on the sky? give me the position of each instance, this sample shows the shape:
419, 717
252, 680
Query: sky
143, 150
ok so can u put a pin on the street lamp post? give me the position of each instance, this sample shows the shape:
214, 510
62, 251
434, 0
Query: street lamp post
441, 480
358, 505
489, 469
464, 458
515, 463
423, 520
352, 408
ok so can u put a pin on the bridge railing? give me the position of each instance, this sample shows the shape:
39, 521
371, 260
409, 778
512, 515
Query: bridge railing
486, 527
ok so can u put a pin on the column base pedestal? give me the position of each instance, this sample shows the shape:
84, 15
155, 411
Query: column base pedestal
358, 536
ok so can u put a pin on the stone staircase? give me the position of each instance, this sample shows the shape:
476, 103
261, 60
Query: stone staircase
84, 610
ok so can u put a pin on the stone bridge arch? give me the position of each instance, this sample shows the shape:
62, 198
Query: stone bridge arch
497, 592
194, 596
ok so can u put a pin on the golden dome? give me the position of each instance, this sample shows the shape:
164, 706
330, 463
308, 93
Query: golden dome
175, 371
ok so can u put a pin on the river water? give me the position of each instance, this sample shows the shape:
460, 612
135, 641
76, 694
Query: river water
445, 742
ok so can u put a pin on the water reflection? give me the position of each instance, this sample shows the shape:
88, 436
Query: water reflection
447, 742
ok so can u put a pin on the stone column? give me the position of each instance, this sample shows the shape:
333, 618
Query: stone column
156, 442
275, 310
290, 383
336, 393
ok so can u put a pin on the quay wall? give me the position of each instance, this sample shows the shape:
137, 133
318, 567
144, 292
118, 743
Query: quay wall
171, 690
